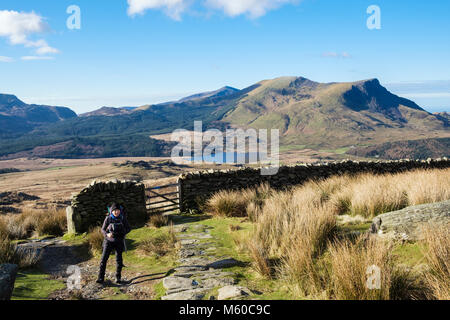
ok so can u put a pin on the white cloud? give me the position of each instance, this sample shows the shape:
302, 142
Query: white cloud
19, 26
31, 58
6, 59
232, 8
173, 8
253, 8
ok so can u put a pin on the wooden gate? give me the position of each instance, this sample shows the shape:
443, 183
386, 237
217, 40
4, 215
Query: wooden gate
163, 199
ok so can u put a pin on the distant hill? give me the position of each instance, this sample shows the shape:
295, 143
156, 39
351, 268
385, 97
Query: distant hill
108, 111
17, 117
222, 92
412, 149
320, 116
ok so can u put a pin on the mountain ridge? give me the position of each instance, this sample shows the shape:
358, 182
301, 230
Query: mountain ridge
308, 114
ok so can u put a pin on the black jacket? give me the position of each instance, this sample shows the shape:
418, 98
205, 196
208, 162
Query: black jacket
106, 226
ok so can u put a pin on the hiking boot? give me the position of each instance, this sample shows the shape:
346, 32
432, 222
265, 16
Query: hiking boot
119, 280
100, 281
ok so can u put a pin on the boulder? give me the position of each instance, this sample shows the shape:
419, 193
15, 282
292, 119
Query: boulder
194, 294
8, 274
231, 292
408, 223
178, 284
225, 263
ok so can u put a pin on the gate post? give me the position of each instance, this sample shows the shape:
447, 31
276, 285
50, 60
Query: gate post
180, 195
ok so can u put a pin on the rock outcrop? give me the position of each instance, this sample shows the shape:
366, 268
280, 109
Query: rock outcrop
408, 223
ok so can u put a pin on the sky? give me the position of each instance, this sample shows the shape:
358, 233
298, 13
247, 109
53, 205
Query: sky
136, 52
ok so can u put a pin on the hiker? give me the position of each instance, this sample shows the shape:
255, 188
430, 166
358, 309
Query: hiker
114, 229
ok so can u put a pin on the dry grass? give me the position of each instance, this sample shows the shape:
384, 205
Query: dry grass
227, 204
370, 195
9, 252
297, 229
158, 220
352, 273
437, 241
95, 240
234, 228
22, 226
159, 245
261, 262
242, 203
51, 223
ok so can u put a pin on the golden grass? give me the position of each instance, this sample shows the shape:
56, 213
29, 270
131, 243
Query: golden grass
22, 226
370, 195
365, 270
158, 220
297, 229
9, 253
242, 203
260, 259
95, 240
437, 241
159, 245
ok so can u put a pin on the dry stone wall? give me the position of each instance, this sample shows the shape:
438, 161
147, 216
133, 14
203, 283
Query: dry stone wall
89, 207
195, 187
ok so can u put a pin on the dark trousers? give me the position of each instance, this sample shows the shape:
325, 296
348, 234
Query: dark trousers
108, 247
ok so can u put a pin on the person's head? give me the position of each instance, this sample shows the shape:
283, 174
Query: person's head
115, 210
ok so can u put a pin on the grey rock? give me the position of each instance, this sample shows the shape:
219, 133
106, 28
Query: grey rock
408, 223
232, 292
8, 274
188, 241
195, 294
179, 283
217, 282
225, 263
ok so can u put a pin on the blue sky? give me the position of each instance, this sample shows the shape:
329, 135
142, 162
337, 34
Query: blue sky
136, 52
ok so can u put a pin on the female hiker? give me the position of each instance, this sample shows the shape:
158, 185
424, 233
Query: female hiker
114, 229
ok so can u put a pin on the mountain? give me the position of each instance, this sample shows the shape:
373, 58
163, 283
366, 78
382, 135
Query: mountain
334, 115
17, 117
319, 116
443, 115
108, 111
222, 92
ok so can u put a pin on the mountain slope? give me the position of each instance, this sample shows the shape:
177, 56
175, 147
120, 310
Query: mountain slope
18, 117
334, 115
412, 149
308, 114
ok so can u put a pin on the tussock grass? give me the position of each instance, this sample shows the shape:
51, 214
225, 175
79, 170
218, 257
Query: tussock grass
160, 245
158, 220
22, 226
260, 260
242, 203
10, 253
51, 223
353, 271
95, 240
437, 241
370, 195
297, 228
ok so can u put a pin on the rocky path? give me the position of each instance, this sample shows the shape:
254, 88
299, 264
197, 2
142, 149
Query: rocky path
201, 271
